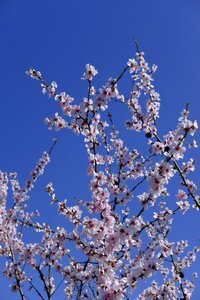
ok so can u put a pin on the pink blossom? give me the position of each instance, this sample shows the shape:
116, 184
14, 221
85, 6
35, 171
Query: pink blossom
90, 72
120, 234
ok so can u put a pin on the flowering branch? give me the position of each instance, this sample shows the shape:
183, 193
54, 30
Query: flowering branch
123, 232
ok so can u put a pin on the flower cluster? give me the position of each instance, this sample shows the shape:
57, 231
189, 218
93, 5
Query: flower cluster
122, 234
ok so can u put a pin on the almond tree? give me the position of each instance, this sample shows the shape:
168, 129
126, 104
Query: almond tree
123, 232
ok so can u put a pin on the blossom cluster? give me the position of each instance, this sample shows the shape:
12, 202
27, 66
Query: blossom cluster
123, 233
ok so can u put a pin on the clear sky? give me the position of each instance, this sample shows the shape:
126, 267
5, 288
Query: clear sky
59, 38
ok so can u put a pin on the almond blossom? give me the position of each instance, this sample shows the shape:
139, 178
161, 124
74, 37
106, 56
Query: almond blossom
121, 234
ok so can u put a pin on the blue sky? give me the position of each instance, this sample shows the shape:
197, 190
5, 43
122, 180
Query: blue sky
59, 38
